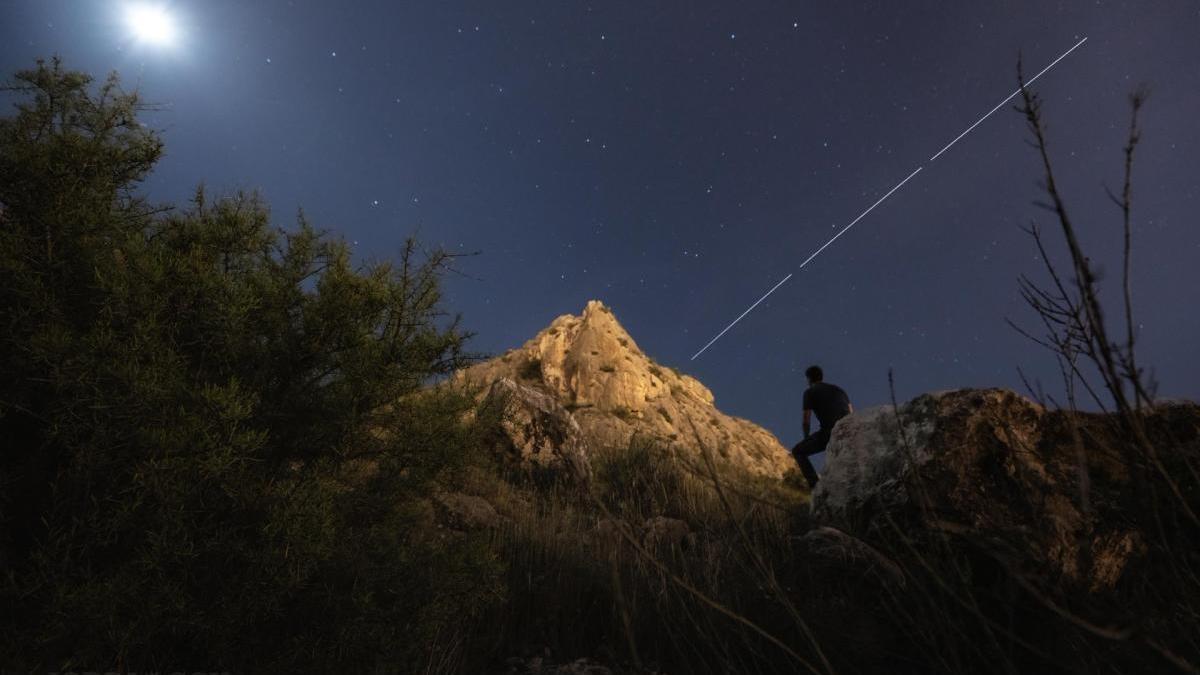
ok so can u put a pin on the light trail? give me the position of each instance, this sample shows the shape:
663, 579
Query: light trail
815, 254
743, 315
1010, 97
880, 201
860, 217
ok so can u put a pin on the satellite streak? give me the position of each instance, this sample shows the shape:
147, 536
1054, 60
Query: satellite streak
1010, 97
815, 254
860, 217
764, 297
880, 201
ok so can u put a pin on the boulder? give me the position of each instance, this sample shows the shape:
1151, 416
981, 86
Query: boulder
534, 429
1033, 489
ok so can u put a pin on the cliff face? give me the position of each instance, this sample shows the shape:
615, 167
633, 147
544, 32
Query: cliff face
595, 370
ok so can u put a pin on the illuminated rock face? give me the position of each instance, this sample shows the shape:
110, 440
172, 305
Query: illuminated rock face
536, 430
592, 367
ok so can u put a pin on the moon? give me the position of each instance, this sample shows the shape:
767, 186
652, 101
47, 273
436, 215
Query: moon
151, 24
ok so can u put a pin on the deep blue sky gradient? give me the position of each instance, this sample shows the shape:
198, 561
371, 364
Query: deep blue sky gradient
676, 159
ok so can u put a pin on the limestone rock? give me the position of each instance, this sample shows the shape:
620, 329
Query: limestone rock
592, 367
992, 466
535, 429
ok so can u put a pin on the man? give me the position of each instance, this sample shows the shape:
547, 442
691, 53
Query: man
830, 404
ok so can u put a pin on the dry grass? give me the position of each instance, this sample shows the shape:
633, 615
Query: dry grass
588, 577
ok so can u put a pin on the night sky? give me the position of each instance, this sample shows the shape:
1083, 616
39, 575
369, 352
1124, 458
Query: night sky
676, 159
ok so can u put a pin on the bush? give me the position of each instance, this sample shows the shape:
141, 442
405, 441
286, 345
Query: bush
217, 448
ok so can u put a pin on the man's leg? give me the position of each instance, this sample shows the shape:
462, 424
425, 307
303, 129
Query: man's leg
807, 447
801, 452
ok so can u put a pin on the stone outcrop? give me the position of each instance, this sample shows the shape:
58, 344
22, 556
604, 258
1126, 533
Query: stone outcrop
591, 367
997, 469
533, 428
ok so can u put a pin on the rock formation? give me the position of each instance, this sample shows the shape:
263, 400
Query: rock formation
587, 371
995, 468
534, 428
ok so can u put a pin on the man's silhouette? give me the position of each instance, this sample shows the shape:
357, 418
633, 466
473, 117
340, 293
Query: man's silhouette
830, 404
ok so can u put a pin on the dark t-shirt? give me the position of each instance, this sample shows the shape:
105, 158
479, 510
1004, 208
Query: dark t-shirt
828, 402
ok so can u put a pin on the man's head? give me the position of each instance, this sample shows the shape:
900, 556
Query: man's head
814, 374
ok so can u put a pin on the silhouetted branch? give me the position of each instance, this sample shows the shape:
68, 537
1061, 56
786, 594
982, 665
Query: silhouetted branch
1074, 316
1136, 100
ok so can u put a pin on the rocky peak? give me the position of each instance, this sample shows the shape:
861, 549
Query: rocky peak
592, 366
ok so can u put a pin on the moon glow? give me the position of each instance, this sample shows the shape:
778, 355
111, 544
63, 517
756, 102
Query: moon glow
151, 25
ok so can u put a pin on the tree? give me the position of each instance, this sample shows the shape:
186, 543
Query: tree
217, 443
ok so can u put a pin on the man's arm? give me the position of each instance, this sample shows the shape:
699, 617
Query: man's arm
807, 421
